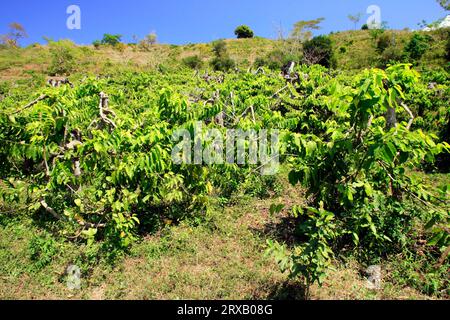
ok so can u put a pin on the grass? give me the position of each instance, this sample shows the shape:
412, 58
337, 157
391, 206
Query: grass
221, 258
354, 50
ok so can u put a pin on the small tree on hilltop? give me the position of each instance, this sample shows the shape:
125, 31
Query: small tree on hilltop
302, 30
111, 39
151, 38
243, 31
149, 41
16, 32
355, 18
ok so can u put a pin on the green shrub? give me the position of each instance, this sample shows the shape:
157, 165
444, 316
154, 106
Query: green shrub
319, 50
383, 41
417, 46
111, 39
97, 44
243, 31
357, 180
221, 61
260, 62
276, 59
193, 62
121, 47
62, 58
219, 48
391, 55
41, 251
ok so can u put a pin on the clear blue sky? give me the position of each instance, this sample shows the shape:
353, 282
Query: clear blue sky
185, 21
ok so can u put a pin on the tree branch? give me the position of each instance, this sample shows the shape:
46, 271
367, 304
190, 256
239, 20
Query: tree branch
32, 103
411, 120
59, 217
103, 108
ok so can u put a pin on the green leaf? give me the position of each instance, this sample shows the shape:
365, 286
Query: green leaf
98, 147
435, 239
368, 189
276, 208
294, 177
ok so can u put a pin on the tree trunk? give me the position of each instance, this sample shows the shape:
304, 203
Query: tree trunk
391, 118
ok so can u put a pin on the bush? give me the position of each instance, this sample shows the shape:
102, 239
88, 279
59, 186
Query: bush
365, 27
243, 32
111, 39
417, 46
276, 59
193, 62
11, 39
361, 193
387, 48
391, 55
221, 61
383, 41
148, 41
41, 251
63, 58
319, 50
97, 44
219, 48
121, 47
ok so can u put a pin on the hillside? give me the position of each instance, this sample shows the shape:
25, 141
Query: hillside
335, 171
354, 50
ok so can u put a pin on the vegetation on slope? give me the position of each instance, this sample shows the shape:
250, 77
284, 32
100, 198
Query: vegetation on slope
353, 50
89, 165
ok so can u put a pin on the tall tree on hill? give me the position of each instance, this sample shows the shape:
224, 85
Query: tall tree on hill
355, 18
16, 32
303, 30
149, 40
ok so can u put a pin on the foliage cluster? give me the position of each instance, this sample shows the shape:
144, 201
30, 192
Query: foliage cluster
103, 171
221, 61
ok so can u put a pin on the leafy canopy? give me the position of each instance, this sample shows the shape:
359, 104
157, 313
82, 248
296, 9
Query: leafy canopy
243, 31
303, 30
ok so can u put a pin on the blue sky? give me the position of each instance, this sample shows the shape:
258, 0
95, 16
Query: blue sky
191, 21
